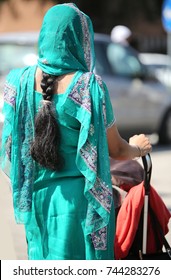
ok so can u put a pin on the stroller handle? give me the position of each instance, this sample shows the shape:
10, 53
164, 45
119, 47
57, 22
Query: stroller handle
147, 163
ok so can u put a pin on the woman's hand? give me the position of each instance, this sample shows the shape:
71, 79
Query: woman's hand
142, 143
120, 149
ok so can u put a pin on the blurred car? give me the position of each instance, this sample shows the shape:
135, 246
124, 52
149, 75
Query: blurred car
141, 103
17, 50
158, 65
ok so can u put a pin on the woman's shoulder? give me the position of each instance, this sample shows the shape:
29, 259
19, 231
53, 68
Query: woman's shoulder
15, 74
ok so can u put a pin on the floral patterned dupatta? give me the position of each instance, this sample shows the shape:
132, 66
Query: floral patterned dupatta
17, 134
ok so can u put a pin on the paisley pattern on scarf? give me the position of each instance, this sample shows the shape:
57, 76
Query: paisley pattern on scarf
89, 154
26, 165
86, 35
80, 93
99, 239
17, 136
93, 218
9, 93
100, 190
102, 193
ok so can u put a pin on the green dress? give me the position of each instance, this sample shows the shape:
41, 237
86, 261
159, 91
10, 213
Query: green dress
57, 227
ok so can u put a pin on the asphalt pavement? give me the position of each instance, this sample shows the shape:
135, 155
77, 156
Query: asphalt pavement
12, 236
161, 177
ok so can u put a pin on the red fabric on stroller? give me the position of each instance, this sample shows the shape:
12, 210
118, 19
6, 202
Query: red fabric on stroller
128, 219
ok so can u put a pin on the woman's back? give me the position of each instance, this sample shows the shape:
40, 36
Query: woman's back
69, 127
62, 82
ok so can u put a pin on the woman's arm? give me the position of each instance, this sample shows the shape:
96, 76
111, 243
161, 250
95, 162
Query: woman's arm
119, 148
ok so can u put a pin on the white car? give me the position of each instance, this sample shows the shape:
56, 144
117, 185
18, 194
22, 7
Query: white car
158, 65
141, 103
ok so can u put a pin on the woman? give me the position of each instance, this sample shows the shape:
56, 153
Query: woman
58, 133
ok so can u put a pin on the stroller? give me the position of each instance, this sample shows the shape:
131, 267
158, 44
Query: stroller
141, 216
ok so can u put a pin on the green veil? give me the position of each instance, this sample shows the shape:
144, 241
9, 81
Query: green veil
65, 45
66, 41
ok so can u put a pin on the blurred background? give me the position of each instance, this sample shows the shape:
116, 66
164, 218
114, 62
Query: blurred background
134, 61
143, 17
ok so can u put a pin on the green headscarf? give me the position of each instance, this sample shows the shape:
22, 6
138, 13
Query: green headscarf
66, 41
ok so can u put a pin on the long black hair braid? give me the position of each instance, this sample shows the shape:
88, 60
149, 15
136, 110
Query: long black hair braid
46, 144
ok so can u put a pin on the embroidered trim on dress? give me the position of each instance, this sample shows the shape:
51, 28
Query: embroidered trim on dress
26, 164
100, 82
99, 239
80, 93
86, 35
9, 93
102, 194
89, 154
93, 218
100, 191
